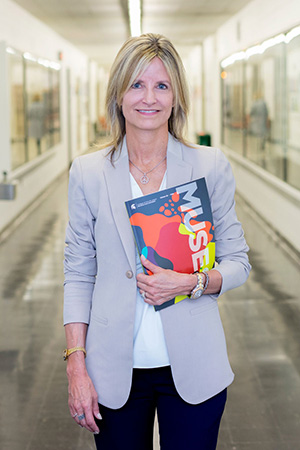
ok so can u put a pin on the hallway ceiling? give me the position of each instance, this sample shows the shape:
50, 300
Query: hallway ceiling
99, 27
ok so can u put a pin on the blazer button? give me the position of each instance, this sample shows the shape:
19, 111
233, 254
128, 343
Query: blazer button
129, 274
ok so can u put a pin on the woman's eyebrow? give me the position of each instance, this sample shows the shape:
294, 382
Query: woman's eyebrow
140, 80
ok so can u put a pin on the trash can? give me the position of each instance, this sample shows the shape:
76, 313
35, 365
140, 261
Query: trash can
204, 139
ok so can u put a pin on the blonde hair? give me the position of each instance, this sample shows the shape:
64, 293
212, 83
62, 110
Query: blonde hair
133, 58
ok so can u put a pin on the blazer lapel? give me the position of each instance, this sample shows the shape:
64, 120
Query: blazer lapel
178, 171
119, 191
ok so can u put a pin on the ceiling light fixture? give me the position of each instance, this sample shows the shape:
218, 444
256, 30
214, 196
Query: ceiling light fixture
135, 17
292, 34
10, 50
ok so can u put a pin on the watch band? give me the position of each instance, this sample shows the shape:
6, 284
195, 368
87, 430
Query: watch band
206, 280
68, 351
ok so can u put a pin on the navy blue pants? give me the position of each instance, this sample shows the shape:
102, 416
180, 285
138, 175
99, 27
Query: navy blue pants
182, 426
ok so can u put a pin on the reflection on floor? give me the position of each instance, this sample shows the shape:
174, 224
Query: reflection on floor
261, 321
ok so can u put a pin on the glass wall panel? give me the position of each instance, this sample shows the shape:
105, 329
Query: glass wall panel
261, 105
38, 108
17, 110
233, 107
293, 112
34, 106
54, 107
257, 112
265, 110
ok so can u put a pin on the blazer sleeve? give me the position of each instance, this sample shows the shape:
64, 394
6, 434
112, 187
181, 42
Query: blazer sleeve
80, 263
231, 248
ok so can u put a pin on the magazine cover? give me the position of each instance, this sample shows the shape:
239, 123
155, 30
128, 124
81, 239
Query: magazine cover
173, 229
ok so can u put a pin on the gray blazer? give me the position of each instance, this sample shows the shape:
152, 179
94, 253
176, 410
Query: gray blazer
100, 274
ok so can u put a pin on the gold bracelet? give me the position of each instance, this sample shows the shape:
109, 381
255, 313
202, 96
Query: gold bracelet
68, 351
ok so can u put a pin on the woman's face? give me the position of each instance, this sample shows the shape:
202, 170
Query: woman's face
147, 105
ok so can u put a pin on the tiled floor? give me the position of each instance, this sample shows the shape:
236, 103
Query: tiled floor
261, 320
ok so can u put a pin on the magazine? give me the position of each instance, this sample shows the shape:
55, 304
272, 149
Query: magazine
173, 228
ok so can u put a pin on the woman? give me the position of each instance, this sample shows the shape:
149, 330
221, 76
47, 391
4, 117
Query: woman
138, 360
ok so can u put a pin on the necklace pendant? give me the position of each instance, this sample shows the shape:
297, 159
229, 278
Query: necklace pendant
144, 179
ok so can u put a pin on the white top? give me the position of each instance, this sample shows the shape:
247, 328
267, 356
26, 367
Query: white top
149, 345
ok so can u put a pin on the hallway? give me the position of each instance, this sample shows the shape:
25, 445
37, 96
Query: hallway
261, 321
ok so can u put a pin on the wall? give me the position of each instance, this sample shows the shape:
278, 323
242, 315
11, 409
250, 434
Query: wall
20, 30
273, 199
192, 60
258, 21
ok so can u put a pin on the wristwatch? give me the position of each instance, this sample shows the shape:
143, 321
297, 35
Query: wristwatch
200, 286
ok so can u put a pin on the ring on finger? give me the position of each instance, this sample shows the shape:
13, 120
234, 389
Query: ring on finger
75, 415
144, 295
81, 416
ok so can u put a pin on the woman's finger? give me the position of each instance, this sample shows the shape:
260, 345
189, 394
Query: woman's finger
85, 420
150, 266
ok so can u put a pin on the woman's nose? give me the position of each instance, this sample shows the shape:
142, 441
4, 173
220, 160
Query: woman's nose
149, 96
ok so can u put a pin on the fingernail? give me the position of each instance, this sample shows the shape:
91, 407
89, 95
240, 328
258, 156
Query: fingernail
143, 258
96, 432
99, 416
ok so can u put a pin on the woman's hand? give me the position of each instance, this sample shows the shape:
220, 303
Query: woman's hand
164, 284
83, 399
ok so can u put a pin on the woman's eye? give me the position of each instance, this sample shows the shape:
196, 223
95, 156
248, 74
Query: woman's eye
136, 85
162, 86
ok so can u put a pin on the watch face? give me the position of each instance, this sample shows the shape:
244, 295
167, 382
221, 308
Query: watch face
197, 294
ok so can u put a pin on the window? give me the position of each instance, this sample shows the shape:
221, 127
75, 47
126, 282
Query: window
261, 105
264, 106
54, 108
233, 107
38, 118
17, 109
293, 112
34, 106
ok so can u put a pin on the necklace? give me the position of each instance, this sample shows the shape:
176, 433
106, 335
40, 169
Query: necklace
145, 179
